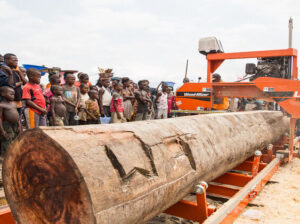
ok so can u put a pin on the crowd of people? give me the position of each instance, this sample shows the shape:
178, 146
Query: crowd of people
26, 103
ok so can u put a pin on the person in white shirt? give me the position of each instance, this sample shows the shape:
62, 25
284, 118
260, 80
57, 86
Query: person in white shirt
162, 102
105, 97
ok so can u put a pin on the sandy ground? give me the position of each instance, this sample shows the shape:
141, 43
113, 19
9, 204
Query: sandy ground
279, 203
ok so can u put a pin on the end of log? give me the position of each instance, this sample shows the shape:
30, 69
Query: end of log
42, 181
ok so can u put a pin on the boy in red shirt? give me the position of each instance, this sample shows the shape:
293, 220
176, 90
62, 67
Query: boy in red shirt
35, 102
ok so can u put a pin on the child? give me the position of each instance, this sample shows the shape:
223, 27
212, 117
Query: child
93, 112
54, 80
57, 105
162, 102
144, 102
72, 99
10, 125
84, 96
83, 78
117, 107
34, 99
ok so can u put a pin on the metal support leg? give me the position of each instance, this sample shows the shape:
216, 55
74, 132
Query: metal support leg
291, 138
201, 201
256, 161
269, 153
195, 211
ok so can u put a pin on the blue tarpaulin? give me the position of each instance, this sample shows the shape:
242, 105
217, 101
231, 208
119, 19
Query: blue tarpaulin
26, 66
170, 84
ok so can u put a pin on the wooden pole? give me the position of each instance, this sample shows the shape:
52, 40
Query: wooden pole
127, 173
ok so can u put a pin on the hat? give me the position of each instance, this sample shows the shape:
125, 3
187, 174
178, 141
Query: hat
105, 73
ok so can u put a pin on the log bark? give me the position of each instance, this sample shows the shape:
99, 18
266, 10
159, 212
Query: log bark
127, 173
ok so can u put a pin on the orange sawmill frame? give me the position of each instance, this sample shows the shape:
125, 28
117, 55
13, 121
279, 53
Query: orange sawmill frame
285, 92
239, 186
199, 96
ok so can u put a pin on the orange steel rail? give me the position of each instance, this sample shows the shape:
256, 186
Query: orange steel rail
240, 188
6, 216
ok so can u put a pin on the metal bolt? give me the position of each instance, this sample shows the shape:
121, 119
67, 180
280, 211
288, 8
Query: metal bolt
199, 189
279, 156
257, 153
203, 183
270, 147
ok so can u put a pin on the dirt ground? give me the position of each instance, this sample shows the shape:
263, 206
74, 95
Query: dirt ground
277, 203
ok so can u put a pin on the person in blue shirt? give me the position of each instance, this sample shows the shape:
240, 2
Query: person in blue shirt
6, 74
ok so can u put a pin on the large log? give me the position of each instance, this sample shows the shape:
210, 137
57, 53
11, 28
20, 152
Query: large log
127, 173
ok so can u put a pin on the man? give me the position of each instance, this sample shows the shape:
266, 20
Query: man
162, 102
6, 74
220, 103
11, 61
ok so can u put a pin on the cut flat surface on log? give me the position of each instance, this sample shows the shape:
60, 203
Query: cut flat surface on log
127, 173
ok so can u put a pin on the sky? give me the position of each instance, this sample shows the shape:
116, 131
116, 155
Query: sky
143, 39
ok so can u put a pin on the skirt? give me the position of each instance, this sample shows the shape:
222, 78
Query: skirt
128, 109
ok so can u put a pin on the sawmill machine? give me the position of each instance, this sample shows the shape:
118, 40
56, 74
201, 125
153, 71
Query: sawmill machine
273, 79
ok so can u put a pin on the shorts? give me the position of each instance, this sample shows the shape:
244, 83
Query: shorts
141, 116
107, 111
70, 118
92, 122
60, 121
34, 119
115, 119
162, 113
12, 133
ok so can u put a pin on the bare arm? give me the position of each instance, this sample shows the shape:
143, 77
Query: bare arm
78, 101
158, 97
116, 109
91, 115
140, 97
19, 84
22, 78
2, 131
31, 104
88, 112
68, 102
52, 106
8, 71
20, 126
101, 92
158, 86
127, 96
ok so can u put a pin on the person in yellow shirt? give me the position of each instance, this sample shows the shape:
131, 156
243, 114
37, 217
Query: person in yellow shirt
220, 103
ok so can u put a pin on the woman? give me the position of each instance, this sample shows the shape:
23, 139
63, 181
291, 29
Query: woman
128, 96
